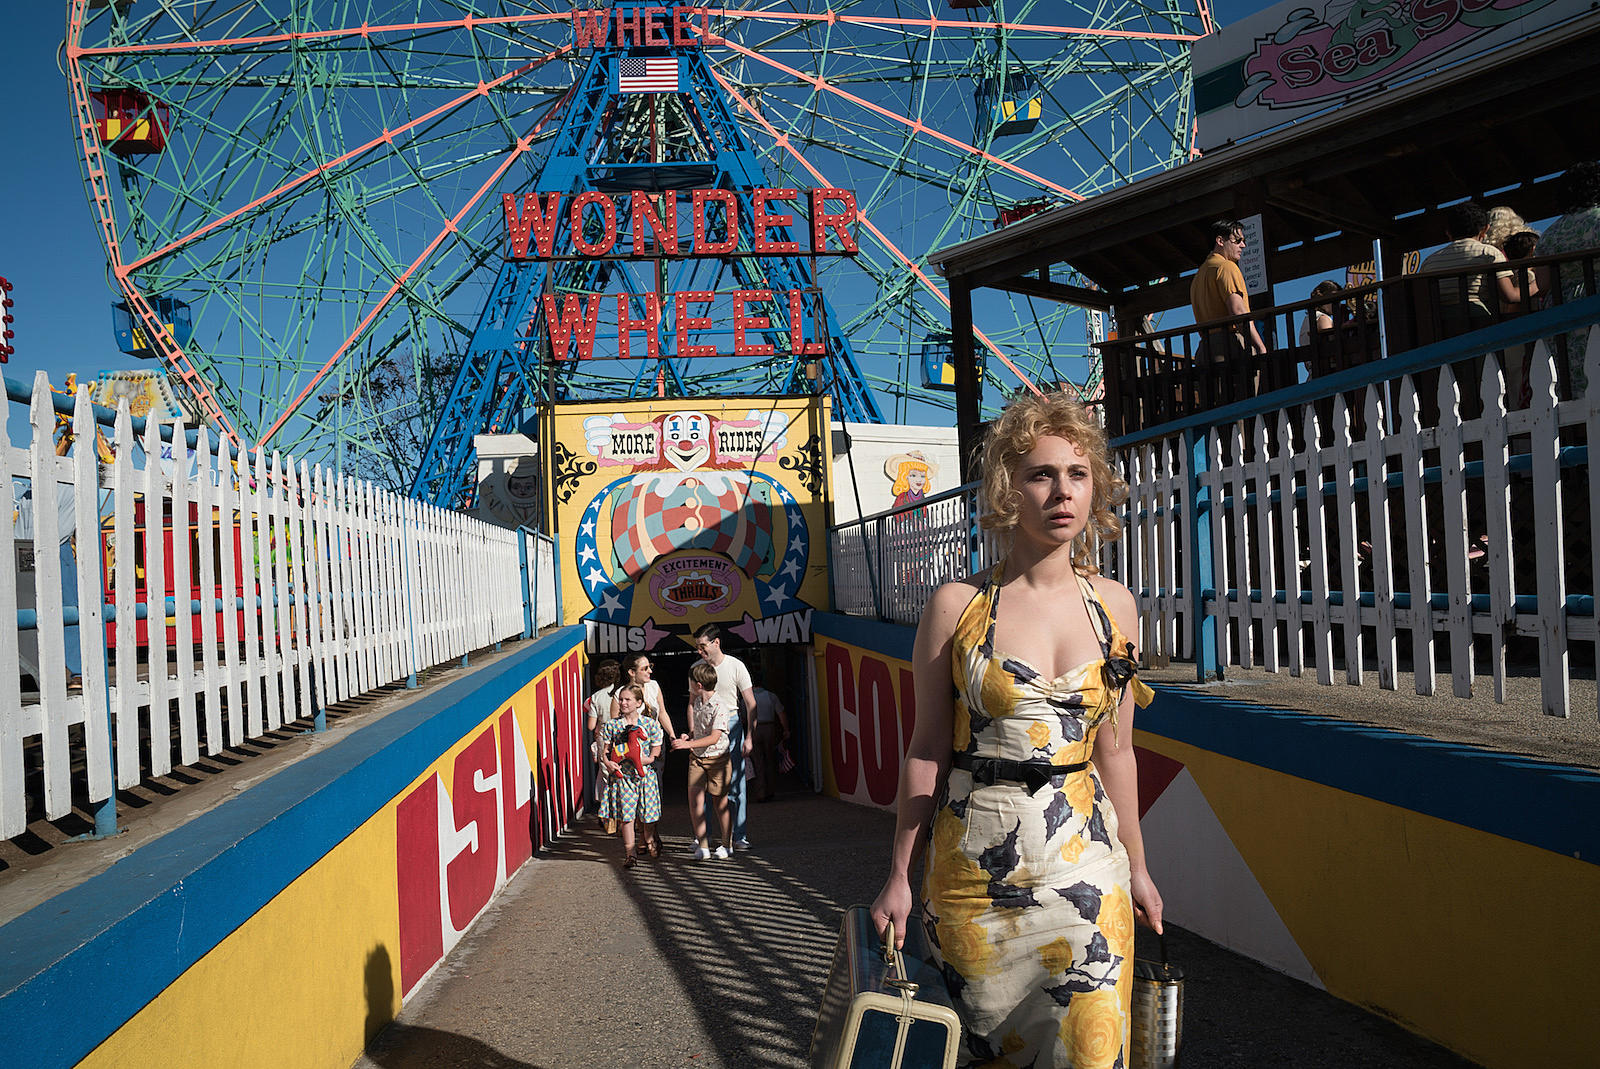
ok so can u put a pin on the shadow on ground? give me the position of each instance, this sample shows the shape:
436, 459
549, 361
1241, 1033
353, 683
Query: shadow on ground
721, 964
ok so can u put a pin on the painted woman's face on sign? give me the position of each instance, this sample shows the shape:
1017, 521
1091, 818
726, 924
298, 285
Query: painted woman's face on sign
917, 480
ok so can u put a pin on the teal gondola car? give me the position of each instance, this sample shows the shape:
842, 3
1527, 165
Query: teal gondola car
132, 337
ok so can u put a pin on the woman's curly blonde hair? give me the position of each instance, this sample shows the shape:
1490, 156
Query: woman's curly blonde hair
1013, 436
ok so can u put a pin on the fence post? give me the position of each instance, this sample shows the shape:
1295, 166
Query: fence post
974, 534
875, 567
555, 571
530, 595
408, 513
86, 491
1204, 624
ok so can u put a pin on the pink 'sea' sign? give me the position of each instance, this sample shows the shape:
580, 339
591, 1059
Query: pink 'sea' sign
1372, 41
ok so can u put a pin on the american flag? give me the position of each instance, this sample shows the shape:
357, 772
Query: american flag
647, 74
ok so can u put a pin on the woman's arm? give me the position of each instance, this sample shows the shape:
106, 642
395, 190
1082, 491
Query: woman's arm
1511, 292
927, 762
1119, 774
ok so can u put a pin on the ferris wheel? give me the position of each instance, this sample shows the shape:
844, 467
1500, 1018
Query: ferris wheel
302, 199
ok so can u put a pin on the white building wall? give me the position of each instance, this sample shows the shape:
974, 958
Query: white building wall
860, 485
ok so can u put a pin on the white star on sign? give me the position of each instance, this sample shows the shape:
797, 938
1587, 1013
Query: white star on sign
609, 603
587, 554
594, 577
588, 526
797, 545
777, 595
791, 569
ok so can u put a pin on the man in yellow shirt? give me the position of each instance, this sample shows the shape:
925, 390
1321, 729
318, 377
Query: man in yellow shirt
1218, 291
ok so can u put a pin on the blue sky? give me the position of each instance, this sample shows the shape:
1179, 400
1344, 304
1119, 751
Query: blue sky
49, 248
48, 245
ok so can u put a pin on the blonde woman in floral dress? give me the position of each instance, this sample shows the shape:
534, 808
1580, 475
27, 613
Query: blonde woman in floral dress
1020, 772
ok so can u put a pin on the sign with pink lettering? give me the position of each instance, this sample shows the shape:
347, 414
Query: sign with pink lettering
1296, 60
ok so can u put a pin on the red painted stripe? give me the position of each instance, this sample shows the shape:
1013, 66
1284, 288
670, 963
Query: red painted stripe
831, 17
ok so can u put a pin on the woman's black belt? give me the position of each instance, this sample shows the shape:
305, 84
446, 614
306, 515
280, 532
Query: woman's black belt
987, 771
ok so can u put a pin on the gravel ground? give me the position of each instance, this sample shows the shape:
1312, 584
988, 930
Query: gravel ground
720, 964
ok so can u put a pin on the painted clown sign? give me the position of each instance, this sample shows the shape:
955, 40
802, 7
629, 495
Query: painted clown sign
682, 512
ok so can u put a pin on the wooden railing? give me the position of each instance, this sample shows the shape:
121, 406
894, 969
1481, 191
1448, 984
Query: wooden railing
1151, 379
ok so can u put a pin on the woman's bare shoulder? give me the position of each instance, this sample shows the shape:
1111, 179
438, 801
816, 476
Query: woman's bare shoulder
1119, 602
951, 599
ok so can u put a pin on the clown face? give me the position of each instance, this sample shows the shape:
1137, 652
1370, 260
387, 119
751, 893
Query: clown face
686, 439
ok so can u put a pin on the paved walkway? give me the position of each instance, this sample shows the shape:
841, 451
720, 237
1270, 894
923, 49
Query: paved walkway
720, 964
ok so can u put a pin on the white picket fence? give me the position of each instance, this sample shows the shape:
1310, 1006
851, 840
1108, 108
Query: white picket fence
1305, 554
541, 595
1268, 541
335, 588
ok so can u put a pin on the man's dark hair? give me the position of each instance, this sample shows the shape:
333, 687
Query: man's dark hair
707, 632
1465, 220
1223, 229
1583, 186
1521, 244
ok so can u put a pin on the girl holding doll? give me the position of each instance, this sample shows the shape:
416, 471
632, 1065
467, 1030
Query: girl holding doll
632, 745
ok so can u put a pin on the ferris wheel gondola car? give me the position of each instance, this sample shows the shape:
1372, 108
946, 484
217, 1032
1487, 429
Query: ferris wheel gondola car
131, 336
1015, 213
938, 368
1012, 107
130, 123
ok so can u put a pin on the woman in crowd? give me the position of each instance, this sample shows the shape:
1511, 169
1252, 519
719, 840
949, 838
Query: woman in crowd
632, 747
606, 674
1534, 284
641, 674
1503, 222
1020, 772
1320, 319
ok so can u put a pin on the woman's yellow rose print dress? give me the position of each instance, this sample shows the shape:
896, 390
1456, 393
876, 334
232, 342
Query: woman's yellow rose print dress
1025, 895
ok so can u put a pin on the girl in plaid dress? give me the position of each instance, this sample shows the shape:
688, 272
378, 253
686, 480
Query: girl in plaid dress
632, 795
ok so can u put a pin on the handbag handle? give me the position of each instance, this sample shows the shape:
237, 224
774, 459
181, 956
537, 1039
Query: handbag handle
896, 964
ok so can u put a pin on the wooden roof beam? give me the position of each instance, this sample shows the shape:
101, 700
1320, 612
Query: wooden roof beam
1034, 286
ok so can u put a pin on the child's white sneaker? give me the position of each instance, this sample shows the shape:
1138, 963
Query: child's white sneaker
701, 853
721, 853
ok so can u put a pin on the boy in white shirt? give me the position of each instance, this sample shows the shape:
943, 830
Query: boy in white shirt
710, 768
